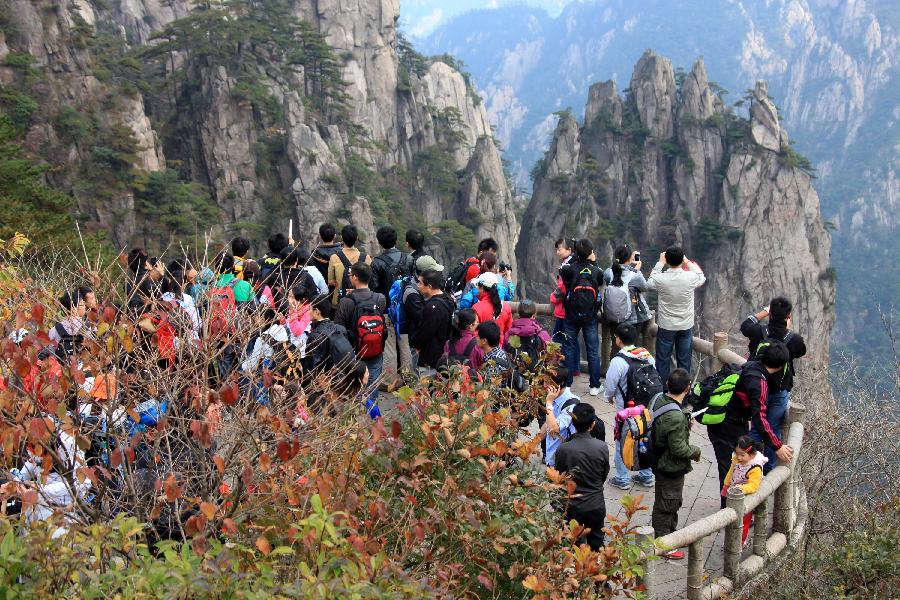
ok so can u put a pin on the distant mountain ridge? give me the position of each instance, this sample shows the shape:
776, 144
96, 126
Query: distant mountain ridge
830, 67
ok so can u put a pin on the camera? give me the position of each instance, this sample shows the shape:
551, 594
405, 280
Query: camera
504, 267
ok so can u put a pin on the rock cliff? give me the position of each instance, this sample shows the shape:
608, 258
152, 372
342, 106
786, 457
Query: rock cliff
258, 111
669, 163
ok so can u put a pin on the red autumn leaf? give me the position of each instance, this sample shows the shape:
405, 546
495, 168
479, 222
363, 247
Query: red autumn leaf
37, 429
264, 546
396, 428
129, 454
486, 581
268, 380
37, 314
265, 462
199, 545
109, 315
229, 393
220, 464
115, 459
171, 488
29, 498
284, 451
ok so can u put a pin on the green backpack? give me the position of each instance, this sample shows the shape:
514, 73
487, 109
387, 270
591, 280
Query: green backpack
714, 393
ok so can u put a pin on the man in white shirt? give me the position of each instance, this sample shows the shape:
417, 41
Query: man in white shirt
675, 278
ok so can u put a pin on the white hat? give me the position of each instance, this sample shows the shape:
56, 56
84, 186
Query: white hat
487, 280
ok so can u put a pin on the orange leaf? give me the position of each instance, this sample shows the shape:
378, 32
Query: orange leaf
220, 464
534, 584
263, 545
171, 488
229, 527
265, 462
209, 510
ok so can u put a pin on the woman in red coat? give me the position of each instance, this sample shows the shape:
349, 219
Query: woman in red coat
489, 306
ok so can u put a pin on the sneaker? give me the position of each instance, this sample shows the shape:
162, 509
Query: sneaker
594, 391
673, 555
620, 483
645, 482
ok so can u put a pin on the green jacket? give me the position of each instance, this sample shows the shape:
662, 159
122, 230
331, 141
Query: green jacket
243, 291
670, 441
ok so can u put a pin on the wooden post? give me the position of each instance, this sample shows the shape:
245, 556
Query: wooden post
760, 528
647, 540
735, 501
720, 342
695, 570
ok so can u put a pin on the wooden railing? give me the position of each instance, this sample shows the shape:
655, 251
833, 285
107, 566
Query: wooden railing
782, 487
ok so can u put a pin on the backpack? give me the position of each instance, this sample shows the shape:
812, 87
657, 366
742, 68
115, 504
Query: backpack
267, 265
635, 429
396, 269
370, 332
617, 305
462, 359
396, 312
68, 345
582, 296
456, 280
528, 352
512, 377
768, 340
321, 256
642, 381
599, 430
714, 393
345, 280
222, 310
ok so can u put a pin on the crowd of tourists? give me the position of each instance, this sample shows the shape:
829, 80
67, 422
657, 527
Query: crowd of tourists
371, 321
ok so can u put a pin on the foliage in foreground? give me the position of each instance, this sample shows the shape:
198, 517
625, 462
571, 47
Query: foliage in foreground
442, 499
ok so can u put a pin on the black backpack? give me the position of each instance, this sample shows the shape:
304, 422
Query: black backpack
642, 382
456, 280
527, 355
395, 269
68, 345
599, 430
321, 256
462, 359
582, 296
345, 280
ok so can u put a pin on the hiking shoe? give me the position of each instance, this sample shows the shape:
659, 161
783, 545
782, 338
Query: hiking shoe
594, 391
620, 483
673, 555
650, 482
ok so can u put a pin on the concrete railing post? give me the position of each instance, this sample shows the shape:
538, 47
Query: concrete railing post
647, 540
760, 528
695, 570
735, 501
786, 494
720, 342
605, 346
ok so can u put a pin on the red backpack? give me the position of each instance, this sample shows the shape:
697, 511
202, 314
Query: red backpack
370, 330
165, 331
222, 310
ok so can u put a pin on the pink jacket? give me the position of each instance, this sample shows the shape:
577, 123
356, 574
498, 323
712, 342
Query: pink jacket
559, 311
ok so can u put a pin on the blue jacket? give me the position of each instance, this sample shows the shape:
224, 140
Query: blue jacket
506, 289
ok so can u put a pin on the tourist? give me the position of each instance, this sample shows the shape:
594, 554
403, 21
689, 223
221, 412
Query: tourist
746, 473
628, 358
339, 267
779, 313
362, 313
557, 426
434, 327
670, 434
415, 242
582, 280
489, 306
462, 347
586, 459
641, 317
390, 266
748, 405
675, 277
327, 247
565, 253
240, 247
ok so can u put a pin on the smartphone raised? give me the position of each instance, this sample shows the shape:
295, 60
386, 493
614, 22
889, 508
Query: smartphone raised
637, 256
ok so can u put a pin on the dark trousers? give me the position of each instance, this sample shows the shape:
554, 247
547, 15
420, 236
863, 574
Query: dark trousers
666, 503
593, 519
724, 438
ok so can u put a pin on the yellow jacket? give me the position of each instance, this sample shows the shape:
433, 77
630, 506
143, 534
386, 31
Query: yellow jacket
746, 476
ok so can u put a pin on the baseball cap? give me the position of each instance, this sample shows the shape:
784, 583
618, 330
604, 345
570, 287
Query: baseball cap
427, 263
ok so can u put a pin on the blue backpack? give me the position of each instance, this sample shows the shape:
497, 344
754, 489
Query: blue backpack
395, 303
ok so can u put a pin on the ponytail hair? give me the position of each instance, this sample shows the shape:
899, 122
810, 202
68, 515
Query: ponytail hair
749, 445
494, 296
617, 275
460, 321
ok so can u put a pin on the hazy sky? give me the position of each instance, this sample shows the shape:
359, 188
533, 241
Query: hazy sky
418, 18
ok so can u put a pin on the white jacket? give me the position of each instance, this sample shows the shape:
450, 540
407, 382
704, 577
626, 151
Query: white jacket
675, 287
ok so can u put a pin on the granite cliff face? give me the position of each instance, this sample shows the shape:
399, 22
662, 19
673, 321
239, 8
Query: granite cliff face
325, 115
669, 163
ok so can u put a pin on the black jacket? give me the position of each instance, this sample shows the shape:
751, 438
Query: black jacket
384, 268
346, 309
569, 272
413, 304
322, 255
753, 330
434, 329
751, 392
587, 460
328, 346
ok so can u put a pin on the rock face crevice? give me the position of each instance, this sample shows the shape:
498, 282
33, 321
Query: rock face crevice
253, 137
670, 164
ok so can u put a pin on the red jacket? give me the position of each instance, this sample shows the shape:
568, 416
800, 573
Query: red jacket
485, 311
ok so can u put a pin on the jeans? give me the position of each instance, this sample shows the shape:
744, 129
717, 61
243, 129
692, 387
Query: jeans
622, 472
667, 340
375, 365
591, 343
559, 337
776, 409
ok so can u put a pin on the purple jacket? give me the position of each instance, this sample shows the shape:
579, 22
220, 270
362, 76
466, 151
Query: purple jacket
476, 357
527, 327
